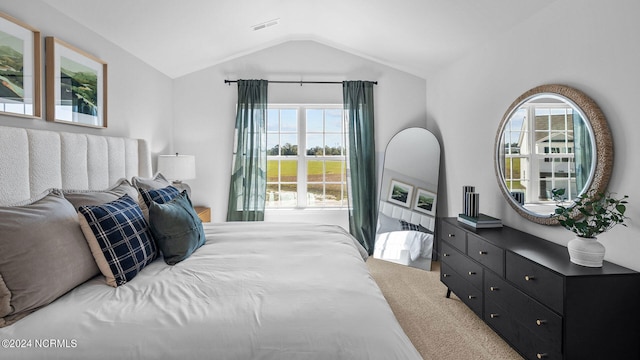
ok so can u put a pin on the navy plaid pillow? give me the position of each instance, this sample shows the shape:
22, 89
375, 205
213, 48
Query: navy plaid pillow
160, 196
409, 226
122, 234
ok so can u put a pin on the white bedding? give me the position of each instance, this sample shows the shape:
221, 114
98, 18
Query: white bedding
253, 291
390, 245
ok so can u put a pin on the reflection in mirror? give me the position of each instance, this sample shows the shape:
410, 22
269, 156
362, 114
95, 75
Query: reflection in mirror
408, 197
551, 138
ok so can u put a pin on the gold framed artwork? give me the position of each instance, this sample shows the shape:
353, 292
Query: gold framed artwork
20, 74
76, 85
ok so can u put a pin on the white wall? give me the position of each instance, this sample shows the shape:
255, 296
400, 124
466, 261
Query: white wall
204, 109
588, 44
139, 97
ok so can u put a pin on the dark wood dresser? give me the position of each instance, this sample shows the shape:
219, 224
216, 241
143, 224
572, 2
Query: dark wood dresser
527, 290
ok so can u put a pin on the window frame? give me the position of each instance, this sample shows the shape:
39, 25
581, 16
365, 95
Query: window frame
303, 159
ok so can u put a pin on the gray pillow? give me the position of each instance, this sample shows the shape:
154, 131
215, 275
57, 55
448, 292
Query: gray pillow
97, 197
387, 224
43, 255
176, 228
158, 181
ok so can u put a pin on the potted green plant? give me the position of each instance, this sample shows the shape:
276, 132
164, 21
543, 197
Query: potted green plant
591, 214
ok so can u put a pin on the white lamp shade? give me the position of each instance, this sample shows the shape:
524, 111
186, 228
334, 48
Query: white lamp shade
177, 167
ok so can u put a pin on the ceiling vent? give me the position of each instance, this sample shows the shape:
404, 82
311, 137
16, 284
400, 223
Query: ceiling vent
265, 24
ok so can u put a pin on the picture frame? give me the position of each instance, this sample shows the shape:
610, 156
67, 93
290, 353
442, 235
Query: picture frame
425, 202
76, 87
400, 193
20, 69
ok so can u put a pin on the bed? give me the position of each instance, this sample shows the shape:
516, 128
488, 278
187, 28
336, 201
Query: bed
250, 291
404, 236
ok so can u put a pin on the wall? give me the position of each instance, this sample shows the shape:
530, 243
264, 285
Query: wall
139, 97
205, 110
587, 44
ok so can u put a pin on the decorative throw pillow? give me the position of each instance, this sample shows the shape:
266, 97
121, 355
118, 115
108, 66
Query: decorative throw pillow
43, 255
96, 197
158, 181
415, 227
119, 238
176, 228
160, 196
387, 224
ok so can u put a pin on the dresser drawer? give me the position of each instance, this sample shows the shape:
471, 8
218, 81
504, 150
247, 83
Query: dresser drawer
486, 254
535, 317
528, 344
468, 293
463, 265
454, 236
536, 281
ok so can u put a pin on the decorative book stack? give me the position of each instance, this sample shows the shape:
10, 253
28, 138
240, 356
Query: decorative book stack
481, 221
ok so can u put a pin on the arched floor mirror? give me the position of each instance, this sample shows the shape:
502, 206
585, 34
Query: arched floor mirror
408, 197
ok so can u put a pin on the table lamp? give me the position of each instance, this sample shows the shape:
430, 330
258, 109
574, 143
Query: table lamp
178, 168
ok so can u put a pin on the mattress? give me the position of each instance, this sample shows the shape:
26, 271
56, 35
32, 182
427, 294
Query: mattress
253, 291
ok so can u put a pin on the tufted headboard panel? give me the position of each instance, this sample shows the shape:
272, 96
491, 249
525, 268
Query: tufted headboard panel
414, 217
32, 161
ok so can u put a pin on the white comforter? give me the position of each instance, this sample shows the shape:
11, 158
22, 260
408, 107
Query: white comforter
253, 291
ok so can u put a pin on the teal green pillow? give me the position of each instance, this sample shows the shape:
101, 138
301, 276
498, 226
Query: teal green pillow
176, 227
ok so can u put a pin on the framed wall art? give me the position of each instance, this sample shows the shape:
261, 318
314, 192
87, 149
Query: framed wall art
425, 202
76, 85
400, 193
20, 74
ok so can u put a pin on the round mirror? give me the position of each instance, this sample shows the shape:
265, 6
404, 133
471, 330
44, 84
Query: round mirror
551, 137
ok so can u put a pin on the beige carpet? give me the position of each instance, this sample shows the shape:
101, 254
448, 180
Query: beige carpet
440, 328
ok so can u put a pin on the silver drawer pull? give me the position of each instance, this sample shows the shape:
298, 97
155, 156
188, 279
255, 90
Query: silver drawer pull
472, 272
529, 277
452, 235
542, 355
471, 297
445, 255
493, 316
494, 288
541, 322
445, 275
482, 252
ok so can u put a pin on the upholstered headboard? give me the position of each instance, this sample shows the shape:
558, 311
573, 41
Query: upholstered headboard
32, 161
414, 217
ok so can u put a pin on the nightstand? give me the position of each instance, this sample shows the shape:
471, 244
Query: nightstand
204, 213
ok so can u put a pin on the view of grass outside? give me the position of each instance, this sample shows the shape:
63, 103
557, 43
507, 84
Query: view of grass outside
326, 184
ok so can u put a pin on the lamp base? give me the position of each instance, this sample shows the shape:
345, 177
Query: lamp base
181, 186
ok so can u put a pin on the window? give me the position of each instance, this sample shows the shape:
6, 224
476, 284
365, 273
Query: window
306, 156
549, 164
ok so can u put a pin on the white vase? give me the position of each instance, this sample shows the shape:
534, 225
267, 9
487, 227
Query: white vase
586, 251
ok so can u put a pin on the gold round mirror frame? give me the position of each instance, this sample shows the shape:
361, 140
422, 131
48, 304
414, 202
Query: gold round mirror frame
602, 135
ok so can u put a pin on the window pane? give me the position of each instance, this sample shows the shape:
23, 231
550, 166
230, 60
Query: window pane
315, 171
333, 144
273, 171
333, 195
314, 120
334, 171
289, 120
289, 144
315, 195
333, 120
273, 120
288, 195
289, 170
273, 144
315, 144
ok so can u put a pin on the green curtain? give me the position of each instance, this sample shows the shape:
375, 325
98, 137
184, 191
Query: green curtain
583, 151
363, 209
248, 188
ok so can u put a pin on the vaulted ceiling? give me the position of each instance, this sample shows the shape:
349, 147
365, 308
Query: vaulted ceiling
178, 37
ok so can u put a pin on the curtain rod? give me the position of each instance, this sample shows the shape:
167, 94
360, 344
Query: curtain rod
298, 82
